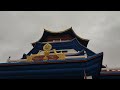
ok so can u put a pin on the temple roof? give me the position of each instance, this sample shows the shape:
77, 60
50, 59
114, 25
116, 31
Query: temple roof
71, 44
68, 34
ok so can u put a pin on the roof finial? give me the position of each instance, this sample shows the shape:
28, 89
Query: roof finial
8, 60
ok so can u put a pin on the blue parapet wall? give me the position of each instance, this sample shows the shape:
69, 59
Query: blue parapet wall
109, 75
61, 70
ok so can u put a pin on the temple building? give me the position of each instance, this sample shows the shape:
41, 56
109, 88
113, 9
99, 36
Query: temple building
56, 55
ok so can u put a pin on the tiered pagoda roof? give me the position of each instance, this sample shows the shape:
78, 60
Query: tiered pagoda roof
67, 34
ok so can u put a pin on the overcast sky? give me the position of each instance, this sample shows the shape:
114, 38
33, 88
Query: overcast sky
18, 29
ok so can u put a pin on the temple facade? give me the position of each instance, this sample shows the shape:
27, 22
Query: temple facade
56, 55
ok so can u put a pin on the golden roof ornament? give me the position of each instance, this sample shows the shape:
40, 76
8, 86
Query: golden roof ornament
47, 47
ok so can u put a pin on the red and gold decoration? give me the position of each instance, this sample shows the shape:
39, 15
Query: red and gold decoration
47, 47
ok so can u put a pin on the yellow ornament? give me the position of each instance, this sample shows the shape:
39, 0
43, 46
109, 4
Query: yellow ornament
47, 47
